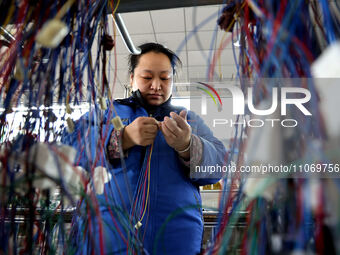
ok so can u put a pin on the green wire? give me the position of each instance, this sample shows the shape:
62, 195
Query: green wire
209, 93
242, 206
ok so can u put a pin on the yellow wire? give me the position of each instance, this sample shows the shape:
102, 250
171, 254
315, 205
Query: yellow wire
9, 15
113, 12
147, 193
116, 7
63, 10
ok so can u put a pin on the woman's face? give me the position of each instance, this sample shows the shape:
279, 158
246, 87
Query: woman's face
153, 76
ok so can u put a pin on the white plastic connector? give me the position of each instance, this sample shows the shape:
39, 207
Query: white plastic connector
117, 123
19, 73
102, 103
260, 187
48, 163
327, 64
68, 109
326, 71
100, 177
138, 225
70, 125
52, 33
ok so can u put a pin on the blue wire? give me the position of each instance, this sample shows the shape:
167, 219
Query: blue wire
328, 22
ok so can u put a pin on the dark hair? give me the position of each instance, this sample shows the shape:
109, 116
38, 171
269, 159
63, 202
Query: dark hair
157, 48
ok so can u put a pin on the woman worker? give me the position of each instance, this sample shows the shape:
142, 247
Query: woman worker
151, 201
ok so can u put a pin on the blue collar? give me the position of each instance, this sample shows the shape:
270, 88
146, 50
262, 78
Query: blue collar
159, 111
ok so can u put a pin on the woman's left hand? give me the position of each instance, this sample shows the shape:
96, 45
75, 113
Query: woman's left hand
176, 130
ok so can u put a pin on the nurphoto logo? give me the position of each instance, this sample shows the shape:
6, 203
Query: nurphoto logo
280, 99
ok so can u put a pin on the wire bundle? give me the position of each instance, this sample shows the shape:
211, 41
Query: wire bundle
279, 41
49, 74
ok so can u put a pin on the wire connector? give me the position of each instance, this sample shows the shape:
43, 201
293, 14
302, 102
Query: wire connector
117, 123
70, 125
68, 109
102, 103
52, 33
138, 225
19, 73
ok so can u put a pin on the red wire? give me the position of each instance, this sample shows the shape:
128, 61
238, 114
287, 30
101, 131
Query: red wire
146, 177
213, 90
217, 55
248, 218
224, 222
252, 51
114, 221
13, 48
277, 24
146, 223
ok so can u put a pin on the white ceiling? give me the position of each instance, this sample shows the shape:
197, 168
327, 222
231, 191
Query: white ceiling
188, 32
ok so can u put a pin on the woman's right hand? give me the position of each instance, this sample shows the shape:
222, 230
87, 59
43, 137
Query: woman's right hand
142, 131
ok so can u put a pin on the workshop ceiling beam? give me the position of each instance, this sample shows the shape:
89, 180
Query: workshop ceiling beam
148, 5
